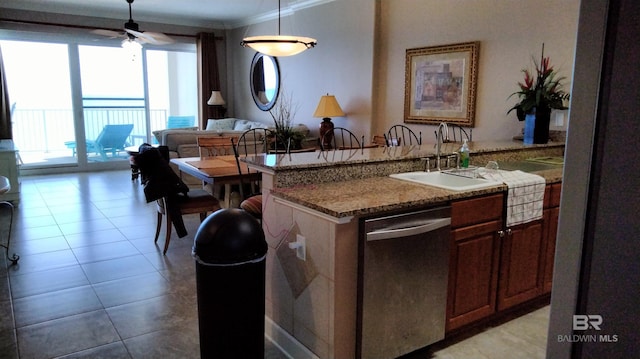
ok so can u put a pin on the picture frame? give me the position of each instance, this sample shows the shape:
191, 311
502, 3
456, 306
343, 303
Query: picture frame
440, 84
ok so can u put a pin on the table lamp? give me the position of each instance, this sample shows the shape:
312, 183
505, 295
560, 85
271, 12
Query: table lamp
217, 100
328, 107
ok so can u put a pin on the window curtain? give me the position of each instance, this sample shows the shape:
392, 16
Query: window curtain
208, 76
5, 115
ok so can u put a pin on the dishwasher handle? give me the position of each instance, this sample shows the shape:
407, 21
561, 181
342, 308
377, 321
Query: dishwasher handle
424, 227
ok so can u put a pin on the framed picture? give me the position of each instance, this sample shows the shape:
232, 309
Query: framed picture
440, 84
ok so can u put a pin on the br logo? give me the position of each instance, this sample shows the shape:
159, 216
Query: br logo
584, 322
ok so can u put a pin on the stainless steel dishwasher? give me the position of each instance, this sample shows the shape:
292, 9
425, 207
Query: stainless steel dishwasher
402, 282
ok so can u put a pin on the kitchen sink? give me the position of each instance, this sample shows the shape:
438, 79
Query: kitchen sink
449, 181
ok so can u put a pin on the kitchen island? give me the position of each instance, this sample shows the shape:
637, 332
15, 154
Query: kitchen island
319, 199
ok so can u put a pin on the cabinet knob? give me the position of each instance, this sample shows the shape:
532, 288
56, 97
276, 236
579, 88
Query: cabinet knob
501, 234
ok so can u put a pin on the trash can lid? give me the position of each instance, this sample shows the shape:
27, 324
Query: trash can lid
229, 236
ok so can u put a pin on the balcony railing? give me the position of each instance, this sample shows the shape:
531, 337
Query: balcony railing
47, 130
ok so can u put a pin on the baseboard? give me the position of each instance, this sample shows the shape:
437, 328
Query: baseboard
287, 344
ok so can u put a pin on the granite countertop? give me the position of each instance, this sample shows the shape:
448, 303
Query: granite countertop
359, 197
307, 160
363, 197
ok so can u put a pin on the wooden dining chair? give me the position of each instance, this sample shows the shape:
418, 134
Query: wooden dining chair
401, 135
173, 198
251, 142
197, 201
340, 138
212, 146
216, 145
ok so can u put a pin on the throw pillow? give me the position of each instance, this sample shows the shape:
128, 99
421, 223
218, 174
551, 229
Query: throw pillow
241, 125
223, 124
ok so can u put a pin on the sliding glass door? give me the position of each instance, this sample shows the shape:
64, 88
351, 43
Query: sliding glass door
38, 78
77, 106
113, 101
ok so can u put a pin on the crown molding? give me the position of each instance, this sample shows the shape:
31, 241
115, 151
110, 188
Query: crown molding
285, 11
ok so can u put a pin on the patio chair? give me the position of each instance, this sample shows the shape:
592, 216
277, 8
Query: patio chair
112, 138
181, 121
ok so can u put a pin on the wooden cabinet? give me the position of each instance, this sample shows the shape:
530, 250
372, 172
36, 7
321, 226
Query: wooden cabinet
493, 268
521, 257
9, 169
473, 261
551, 214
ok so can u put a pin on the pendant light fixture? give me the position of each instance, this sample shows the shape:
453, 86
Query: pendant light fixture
279, 45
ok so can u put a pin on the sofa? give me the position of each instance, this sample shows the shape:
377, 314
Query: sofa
183, 142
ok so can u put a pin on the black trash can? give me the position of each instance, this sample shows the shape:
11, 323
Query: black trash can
230, 251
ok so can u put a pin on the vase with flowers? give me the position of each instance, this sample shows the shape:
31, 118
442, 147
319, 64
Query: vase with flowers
539, 94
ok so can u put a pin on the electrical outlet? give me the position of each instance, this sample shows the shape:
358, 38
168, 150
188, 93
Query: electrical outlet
300, 245
301, 251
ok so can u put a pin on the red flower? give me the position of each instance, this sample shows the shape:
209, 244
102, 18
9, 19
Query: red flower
545, 92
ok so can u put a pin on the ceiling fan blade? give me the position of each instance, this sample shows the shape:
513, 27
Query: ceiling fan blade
154, 38
108, 33
159, 38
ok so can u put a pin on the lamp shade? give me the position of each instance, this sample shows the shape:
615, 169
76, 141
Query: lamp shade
216, 99
328, 107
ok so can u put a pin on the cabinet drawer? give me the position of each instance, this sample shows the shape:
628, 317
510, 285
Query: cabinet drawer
476, 210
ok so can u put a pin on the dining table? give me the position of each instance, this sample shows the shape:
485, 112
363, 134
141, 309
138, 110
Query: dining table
217, 171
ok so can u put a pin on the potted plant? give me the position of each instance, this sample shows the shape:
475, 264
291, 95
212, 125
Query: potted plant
539, 94
283, 114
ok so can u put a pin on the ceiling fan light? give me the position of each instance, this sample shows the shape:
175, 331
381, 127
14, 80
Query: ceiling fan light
279, 45
131, 44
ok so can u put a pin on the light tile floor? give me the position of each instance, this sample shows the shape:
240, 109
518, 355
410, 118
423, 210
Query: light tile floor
91, 283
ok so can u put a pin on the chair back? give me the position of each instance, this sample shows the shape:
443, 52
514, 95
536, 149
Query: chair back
255, 140
458, 133
216, 146
399, 135
181, 121
251, 142
340, 138
114, 137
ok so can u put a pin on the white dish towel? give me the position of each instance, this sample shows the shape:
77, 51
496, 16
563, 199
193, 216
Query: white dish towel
526, 194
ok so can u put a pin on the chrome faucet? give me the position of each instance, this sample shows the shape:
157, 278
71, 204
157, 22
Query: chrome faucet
443, 130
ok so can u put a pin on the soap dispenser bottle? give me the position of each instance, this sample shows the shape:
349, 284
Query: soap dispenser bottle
464, 154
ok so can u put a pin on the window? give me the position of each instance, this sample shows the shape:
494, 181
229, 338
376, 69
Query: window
115, 87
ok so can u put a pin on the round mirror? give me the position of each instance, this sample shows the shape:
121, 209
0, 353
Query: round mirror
264, 80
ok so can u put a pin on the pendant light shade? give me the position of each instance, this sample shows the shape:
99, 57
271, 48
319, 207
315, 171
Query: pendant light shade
279, 45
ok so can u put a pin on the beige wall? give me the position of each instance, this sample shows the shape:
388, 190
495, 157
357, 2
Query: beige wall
341, 64
510, 32
369, 81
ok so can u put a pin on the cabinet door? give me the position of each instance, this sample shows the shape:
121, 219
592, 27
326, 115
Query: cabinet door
473, 273
520, 264
549, 249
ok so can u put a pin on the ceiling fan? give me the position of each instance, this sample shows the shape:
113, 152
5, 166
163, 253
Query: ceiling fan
132, 33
